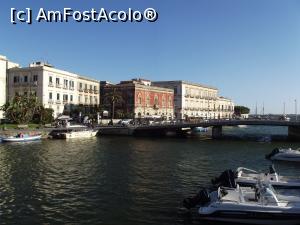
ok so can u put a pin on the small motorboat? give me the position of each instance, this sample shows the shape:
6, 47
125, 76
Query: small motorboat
73, 133
248, 177
22, 138
259, 205
284, 155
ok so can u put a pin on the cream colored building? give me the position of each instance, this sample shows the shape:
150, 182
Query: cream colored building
225, 108
194, 100
55, 88
5, 64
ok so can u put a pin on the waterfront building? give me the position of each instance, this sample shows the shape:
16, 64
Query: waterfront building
140, 99
5, 64
225, 108
197, 101
57, 89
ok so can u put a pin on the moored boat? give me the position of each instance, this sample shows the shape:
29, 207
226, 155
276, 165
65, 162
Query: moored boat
248, 177
73, 133
284, 155
259, 205
22, 138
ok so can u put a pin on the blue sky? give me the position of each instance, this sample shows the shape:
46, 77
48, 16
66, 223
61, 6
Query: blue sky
249, 49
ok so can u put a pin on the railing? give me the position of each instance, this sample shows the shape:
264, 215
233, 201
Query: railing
58, 85
50, 85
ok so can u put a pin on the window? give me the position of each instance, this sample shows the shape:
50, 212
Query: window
163, 101
95, 88
91, 99
65, 83
80, 85
170, 101
148, 99
57, 97
50, 79
79, 98
25, 79
65, 98
71, 98
85, 86
91, 87
156, 100
86, 99
25, 93
96, 100
50, 95
35, 78
16, 79
57, 80
139, 99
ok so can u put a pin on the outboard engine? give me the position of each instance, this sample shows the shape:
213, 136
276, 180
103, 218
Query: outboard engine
201, 198
274, 152
226, 179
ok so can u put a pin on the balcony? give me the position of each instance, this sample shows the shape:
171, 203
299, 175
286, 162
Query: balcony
50, 101
58, 102
50, 84
65, 101
91, 91
71, 88
80, 90
86, 90
65, 87
155, 106
96, 92
58, 85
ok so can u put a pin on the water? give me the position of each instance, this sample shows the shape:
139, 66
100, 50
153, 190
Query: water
116, 180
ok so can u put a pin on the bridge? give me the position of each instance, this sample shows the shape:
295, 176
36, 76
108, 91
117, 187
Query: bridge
217, 125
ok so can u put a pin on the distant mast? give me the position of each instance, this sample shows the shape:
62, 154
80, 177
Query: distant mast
283, 108
256, 108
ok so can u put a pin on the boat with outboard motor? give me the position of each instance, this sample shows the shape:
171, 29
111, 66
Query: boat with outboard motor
248, 177
72, 133
259, 205
22, 138
284, 155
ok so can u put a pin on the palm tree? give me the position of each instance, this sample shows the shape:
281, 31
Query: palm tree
113, 97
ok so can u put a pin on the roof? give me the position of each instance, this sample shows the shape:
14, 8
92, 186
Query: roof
186, 82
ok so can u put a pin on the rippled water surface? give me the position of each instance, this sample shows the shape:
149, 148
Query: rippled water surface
116, 180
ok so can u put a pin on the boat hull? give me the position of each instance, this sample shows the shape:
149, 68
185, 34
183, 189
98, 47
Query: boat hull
24, 139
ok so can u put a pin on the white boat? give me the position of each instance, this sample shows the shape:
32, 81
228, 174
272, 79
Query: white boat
284, 155
73, 133
248, 177
21, 138
261, 205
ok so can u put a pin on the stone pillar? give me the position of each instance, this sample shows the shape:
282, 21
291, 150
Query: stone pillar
294, 133
217, 132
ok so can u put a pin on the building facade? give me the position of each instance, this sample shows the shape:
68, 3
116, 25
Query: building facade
57, 89
140, 99
196, 101
5, 64
225, 108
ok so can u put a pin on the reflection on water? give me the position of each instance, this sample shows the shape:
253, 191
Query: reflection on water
109, 180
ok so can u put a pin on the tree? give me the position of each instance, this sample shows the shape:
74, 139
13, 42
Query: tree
113, 97
22, 108
238, 110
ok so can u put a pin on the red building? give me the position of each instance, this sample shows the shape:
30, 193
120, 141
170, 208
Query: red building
139, 99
